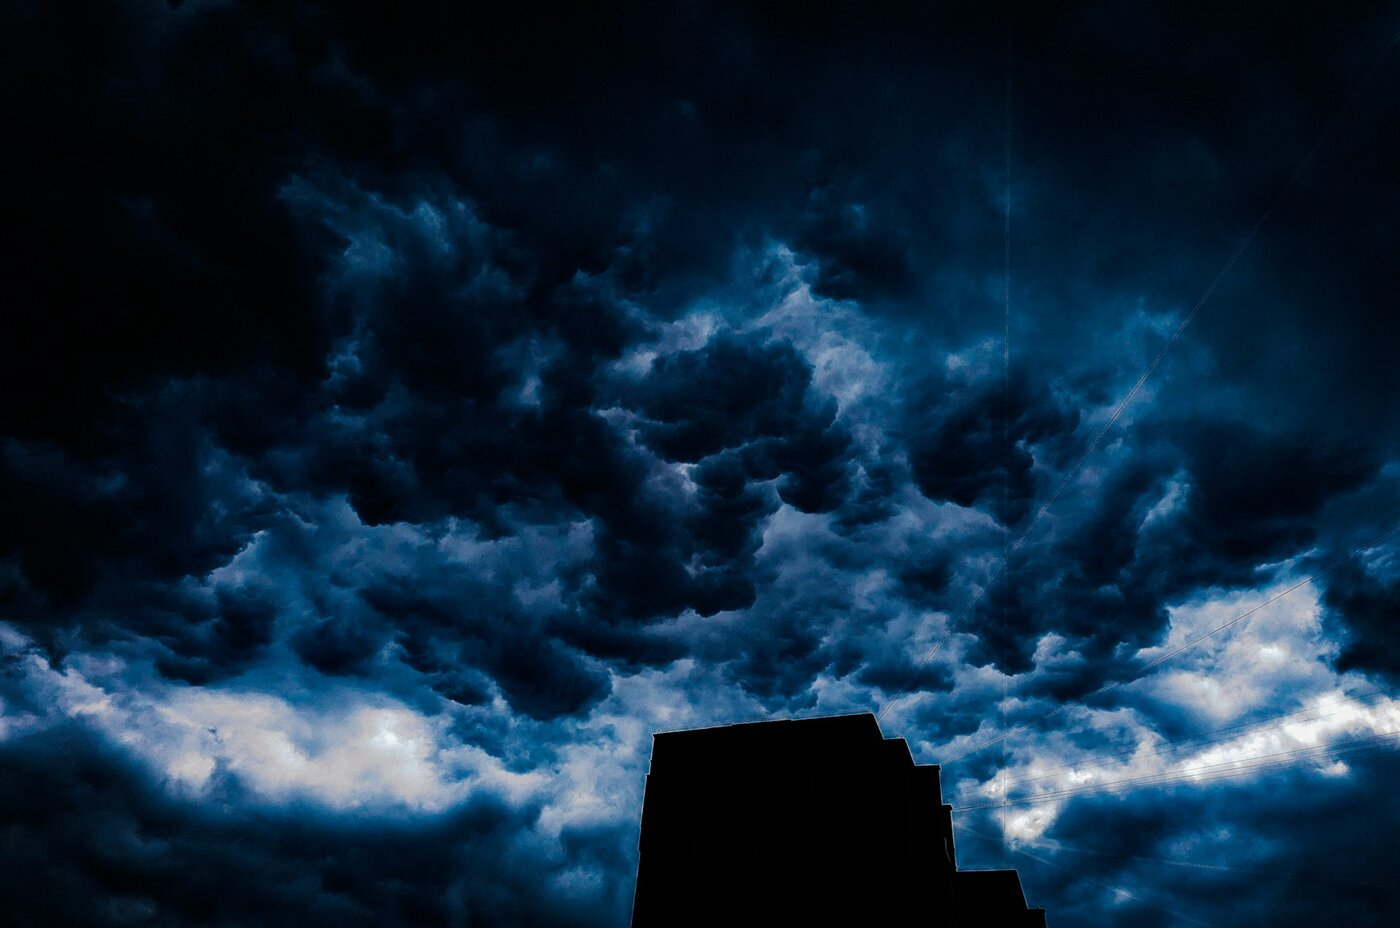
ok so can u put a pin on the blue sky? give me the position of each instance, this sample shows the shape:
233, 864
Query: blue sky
405, 415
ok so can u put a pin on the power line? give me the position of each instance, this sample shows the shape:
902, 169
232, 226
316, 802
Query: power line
1006, 371
1197, 865
1205, 773
1174, 747
1006, 380
1118, 890
1073, 472
1158, 661
1210, 291
1263, 760
1187, 780
1258, 726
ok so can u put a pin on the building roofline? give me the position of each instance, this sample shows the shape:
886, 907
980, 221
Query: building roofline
755, 723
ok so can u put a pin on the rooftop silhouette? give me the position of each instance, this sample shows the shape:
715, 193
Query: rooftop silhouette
810, 822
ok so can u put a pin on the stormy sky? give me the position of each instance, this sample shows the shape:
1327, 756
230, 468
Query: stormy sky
405, 413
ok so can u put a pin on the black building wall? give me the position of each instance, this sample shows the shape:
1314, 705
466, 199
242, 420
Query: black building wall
804, 822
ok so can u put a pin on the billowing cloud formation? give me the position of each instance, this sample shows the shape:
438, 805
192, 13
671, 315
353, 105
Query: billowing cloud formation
404, 414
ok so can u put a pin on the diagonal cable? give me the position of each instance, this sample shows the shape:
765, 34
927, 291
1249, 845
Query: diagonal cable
1207, 773
1175, 652
1244, 244
1117, 890
1258, 727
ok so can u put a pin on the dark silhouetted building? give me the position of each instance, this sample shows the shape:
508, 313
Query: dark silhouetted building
808, 822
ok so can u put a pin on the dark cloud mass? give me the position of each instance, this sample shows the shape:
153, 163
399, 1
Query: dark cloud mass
975, 444
403, 413
88, 841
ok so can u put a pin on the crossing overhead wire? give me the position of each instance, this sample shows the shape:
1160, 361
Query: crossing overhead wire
1175, 652
1214, 284
1207, 772
1006, 371
1257, 727
1290, 877
1205, 297
1117, 890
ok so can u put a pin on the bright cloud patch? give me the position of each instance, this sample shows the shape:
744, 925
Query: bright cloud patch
346, 750
1233, 687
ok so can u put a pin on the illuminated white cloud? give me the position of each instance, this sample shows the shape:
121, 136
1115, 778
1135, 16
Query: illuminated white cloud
345, 749
1272, 660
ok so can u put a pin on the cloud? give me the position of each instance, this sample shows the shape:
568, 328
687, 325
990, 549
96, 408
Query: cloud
974, 443
344, 750
88, 842
404, 413
1362, 606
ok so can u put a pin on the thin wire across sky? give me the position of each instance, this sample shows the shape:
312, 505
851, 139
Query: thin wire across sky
1147, 373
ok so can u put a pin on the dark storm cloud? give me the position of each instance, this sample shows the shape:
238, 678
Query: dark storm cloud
859, 256
88, 840
499, 360
139, 155
449, 626
975, 444
1301, 851
757, 400
1203, 505
1364, 607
